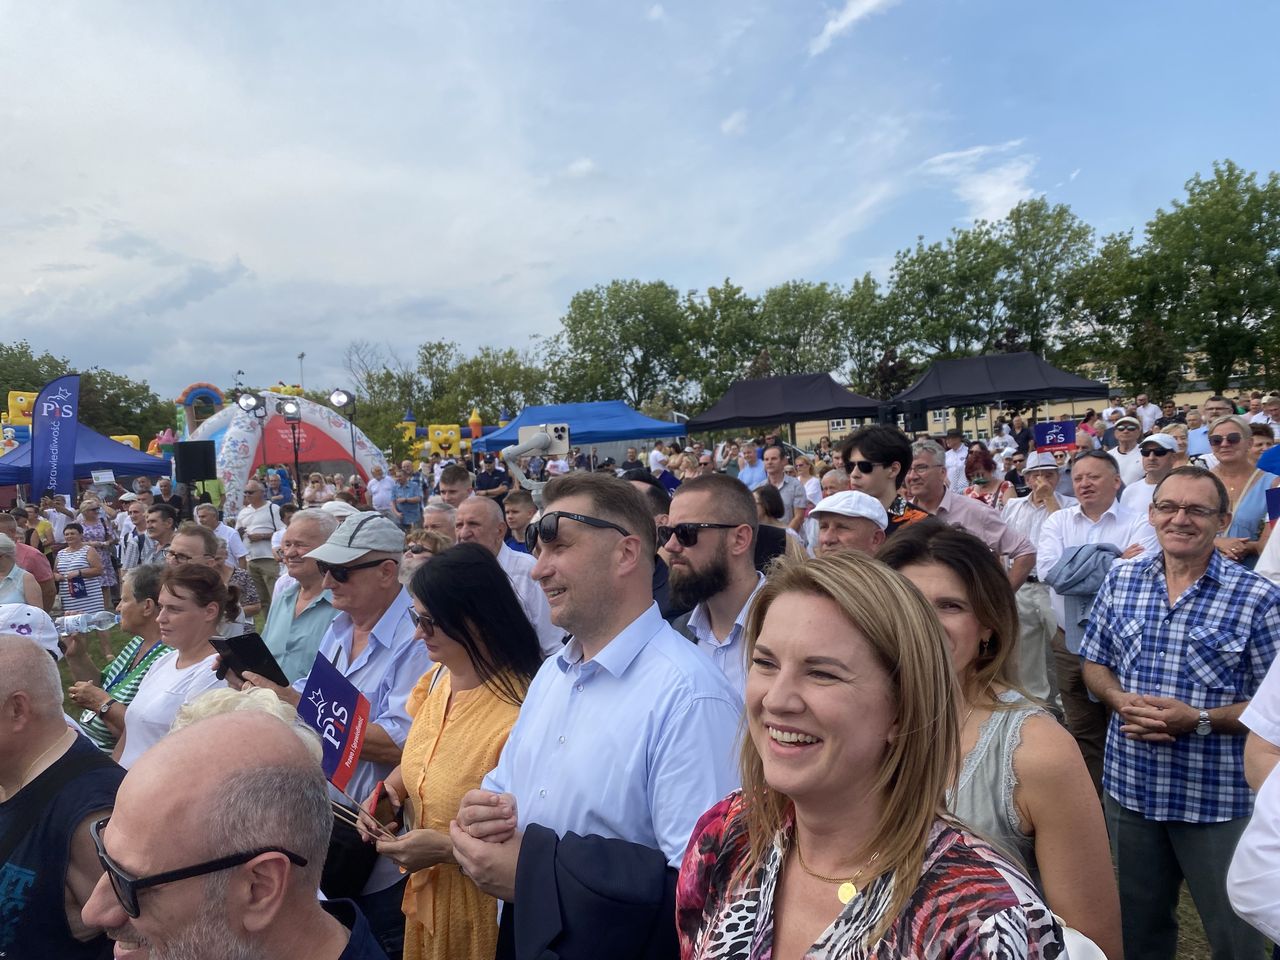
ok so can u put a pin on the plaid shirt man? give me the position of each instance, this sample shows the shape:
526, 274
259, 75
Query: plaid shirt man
1210, 649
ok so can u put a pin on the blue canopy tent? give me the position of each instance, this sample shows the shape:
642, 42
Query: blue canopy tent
93, 452
602, 421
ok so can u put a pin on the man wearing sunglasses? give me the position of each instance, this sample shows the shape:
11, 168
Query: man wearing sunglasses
710, 537
55, 783
371, 642
1157, 453
627, 733
1125, 454
876, 459
215, 848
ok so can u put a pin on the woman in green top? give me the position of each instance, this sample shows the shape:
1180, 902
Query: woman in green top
106, 694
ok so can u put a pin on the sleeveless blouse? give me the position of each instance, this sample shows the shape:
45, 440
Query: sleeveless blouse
983, 797
69, 561
447, 917
1249, 512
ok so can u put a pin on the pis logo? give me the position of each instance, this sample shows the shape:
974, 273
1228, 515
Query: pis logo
331, 719
57, 405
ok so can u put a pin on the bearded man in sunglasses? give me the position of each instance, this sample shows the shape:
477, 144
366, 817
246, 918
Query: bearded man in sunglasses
55, 785
710, 538
371, 642
623, 738
215, 849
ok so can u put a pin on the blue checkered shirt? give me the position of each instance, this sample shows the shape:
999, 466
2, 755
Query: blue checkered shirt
1210, 649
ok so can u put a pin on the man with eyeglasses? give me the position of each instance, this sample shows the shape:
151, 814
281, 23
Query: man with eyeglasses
927, 484
1198, 437
1125, 454
710, 537
257, 522
1157, 453
304, 608
876, 459
56, 784
215, 849
371, 642
1096, 519
624, 738
1177, 645
480, 521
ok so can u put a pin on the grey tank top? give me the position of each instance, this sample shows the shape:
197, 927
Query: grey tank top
983, 798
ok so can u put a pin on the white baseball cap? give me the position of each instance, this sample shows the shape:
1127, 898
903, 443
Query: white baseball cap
373, 533
23, 620
1163, 440
854, 503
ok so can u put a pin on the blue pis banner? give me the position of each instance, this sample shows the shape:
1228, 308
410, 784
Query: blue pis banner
55, 421
1056, 435
335, 709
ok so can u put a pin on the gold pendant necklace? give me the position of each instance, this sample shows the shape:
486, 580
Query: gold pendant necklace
846, 890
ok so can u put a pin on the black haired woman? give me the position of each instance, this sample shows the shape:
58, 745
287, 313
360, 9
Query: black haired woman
486, 653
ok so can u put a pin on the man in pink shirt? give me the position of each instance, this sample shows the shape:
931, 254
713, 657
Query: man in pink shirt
31, 560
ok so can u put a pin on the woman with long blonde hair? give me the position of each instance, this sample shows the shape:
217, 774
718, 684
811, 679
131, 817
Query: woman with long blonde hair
838, 844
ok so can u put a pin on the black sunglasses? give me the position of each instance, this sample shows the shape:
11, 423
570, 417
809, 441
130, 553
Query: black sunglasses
548, 527
421, 619
1156, 452
686, 534
416, 549
340, 572
1230, 439
862, 466
126, 886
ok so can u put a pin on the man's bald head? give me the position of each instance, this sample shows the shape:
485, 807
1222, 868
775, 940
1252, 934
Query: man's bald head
27, 667
230, 782
480, 520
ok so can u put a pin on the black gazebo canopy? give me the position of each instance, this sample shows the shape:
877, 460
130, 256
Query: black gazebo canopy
794, 399
996, 378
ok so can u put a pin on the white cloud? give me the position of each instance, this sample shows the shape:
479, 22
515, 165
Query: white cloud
582, 167
735, 124
656, 12
841, 23
990, 179
1074, 173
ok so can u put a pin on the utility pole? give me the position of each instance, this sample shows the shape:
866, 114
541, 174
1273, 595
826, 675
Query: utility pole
301, 381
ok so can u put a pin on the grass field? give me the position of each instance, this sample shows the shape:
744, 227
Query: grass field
1191, 942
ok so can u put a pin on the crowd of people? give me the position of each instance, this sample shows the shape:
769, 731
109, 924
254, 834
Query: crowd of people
891, 696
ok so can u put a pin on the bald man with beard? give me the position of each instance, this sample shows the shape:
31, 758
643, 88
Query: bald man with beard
239, 804
480, 520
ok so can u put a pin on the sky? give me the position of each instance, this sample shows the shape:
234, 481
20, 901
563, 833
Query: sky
188, 190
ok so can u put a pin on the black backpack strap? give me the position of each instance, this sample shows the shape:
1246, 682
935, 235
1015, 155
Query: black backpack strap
44, 789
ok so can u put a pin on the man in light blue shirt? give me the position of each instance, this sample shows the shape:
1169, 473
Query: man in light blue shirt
1198, 439
751, 472
303, 610
371, 642
628, 733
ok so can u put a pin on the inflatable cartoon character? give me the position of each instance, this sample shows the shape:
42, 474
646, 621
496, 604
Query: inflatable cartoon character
10, 440
21, 406
129, 440
445, 439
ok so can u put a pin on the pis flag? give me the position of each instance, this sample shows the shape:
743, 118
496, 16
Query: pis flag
335, 709
1059, 435
55, 421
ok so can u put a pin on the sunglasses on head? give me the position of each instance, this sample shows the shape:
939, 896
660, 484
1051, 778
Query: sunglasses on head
686, 534
862, 466
547, 528
340, 572
126, 886
1231, 439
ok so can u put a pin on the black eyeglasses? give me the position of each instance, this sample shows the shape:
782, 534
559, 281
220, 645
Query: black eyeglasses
183, 558
340, 572
1230, 439
126, 886
1167, 508
548, 527
686, 534
1156, 452
422, 620
862, 466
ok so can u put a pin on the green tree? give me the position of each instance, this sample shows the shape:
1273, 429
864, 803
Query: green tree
627, 340
1214, 259
492, 380
805, 328
723, 325
1044, 245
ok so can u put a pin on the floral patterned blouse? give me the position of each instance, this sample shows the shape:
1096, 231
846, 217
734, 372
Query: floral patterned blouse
969, 902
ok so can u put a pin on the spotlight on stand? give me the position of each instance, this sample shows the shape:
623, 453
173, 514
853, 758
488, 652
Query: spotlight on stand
291, 410
342, 400
252, 403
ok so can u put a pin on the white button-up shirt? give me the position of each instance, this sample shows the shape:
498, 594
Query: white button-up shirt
1071, 528
635, 743
518, 568
729, 655
1028, 519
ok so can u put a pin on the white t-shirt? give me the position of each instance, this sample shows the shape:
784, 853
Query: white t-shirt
656, 459
162, 692
380, 492
235, 546
264, 519
1254, 874
1130, 464
1137, 496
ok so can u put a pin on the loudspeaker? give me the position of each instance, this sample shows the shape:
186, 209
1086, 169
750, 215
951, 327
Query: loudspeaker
916, 422
194, 460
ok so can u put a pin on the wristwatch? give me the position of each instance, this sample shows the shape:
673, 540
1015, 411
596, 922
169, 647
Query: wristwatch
1203, 726
106, 705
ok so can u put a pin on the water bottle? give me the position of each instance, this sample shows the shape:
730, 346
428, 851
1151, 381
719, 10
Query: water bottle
84, 622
